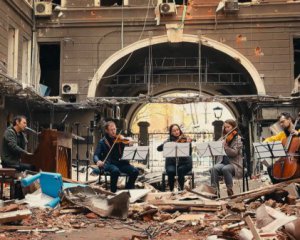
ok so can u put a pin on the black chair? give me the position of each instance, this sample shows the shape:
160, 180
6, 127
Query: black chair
164, 174
106, 174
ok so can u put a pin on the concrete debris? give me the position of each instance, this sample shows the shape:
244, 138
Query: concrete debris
14, 216
136, 194
269, 219
271, 212
104, 206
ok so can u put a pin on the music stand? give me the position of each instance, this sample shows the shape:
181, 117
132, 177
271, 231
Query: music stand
213, 150
142, 153
210, 149
128, 153
136, 153
176, 150
269, 150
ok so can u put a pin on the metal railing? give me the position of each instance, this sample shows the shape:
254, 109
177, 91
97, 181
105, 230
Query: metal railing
180, 78
157, 161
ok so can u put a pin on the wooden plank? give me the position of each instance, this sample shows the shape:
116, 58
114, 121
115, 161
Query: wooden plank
192, 203
13, 228
205, 209
9, 208
253, 194
14, 216
250, 224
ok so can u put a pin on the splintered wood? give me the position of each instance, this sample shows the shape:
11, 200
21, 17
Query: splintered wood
194, 214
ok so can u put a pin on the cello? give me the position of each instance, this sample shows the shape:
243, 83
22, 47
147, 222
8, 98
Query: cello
288, 167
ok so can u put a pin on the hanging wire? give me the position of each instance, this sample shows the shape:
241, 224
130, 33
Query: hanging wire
140, 37
122, 26
148, 71
196, 113
199, 65
149, 75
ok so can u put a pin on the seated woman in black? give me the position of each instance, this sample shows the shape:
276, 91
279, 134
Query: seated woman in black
184, 163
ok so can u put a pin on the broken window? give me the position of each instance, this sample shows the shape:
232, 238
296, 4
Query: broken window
181, 2
108, 3
296, 57
50, 67
12, 57
58, 2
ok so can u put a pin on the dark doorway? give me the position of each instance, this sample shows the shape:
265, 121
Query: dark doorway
50, 67
296, 57
108, 3
58, 2
181, 2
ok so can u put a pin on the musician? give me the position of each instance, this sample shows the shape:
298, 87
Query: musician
113, 164
286, 122
230, 165
184, 163
14, 145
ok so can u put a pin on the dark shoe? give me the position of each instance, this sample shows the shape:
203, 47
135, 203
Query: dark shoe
229, 192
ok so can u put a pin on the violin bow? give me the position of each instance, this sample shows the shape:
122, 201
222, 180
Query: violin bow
118, 136
225, 136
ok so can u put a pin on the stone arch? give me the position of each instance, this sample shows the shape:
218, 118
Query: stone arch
260, 88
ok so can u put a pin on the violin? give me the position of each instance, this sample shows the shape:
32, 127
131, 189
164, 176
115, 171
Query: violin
230, 135
122, 139
288, 167
118, 139
183, 139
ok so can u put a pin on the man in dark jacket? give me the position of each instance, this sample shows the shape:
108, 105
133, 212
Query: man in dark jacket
113, 163
14, 144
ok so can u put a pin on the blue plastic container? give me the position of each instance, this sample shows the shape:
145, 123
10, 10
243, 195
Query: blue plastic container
51, 184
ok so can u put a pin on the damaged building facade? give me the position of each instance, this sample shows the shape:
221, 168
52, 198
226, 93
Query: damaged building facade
95, 60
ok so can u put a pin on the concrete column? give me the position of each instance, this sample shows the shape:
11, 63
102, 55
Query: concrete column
218, 124
143, 133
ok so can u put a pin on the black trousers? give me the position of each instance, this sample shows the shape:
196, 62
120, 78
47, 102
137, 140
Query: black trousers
182, 169
20, 167
115, 171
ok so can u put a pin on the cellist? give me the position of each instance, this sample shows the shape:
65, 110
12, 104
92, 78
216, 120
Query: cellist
286, 122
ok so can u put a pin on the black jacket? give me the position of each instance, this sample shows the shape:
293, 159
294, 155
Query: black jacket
172, 160
13, 146
103, 148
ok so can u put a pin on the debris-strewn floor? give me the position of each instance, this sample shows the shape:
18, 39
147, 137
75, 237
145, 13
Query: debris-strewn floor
265, 212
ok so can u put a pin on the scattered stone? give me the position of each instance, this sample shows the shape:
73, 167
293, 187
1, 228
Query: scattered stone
92, 215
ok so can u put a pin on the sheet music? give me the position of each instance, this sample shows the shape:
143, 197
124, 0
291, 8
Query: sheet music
170, 148
128, 153
210, 149
277, 148
141, 153
203, 150
217, 148
262, 150
137, 153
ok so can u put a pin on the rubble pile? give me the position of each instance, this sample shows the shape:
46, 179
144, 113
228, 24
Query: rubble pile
270, 212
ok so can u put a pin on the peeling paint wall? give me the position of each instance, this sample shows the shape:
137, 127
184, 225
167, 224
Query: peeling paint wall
262, 33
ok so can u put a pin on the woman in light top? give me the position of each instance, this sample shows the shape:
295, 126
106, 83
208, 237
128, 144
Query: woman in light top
231, 164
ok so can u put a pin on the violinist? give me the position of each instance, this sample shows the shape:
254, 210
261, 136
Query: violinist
108, 154
286, 122
230, 165
184, 163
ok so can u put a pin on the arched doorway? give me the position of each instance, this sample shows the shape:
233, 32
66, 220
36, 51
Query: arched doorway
157, 66
117, 62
